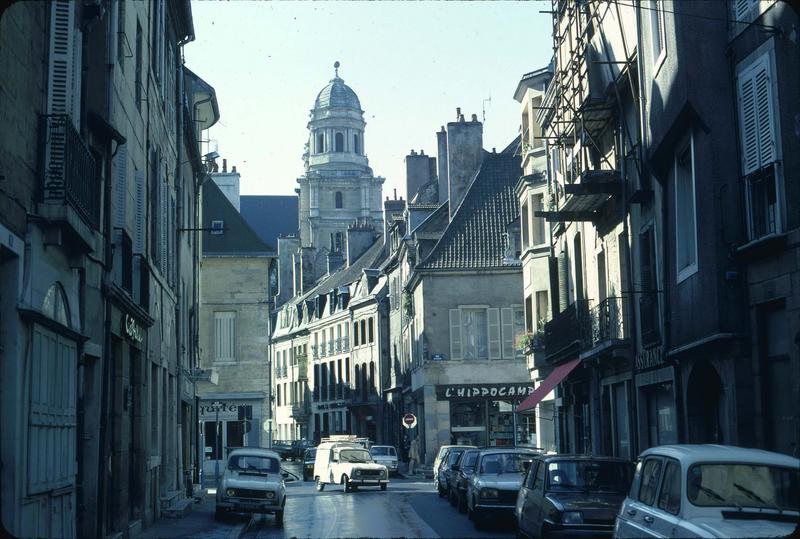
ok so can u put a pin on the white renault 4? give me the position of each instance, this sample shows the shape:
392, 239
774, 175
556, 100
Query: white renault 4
252, 483
341, 460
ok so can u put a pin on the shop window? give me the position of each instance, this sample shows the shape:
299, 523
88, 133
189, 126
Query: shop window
660, 414
234, 431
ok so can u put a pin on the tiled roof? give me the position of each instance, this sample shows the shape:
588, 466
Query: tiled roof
474, 239
270, 216
238, 238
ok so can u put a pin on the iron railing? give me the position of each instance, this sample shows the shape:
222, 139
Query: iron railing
302, 366
314, 351
70, 171
567, 332
608, 320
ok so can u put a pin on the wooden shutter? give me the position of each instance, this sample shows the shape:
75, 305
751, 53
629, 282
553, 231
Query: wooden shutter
139, 218
742, 9
507, 320
494, 333
163, 223
756, 115
62, 57
455, 334
121, 188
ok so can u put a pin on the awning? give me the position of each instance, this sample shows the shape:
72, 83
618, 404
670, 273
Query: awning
555, 378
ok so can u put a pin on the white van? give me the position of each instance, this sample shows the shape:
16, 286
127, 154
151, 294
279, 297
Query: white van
343, 460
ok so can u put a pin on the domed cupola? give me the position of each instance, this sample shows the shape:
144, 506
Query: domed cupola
336, 130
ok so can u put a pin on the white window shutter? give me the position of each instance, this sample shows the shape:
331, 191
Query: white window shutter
494, 333
139, 218
764, 112
121, 188
62, 56
507, 320
749, 126
75, 79
455, 334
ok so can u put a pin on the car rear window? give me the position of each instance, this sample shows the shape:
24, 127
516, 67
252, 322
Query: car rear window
590, 475
651, 472
383, 451
744, 485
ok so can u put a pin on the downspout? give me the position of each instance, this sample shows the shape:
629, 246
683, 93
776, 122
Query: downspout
106, 369
179, 314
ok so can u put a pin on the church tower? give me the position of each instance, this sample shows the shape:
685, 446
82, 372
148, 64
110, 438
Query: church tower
338, 187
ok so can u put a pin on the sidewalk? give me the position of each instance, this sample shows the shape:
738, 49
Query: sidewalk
199, 522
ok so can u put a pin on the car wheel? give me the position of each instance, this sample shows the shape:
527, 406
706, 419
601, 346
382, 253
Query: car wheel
320, 485
219, 514
441, 490
451, 498
346, 483
384, 486
462, 503
279, 517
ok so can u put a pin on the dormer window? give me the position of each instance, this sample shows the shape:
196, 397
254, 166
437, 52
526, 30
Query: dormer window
339, 142
339, 199
320, 143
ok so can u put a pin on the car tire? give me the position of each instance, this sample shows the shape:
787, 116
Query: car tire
451, 498
384, 486
441, 490
219, 514
462, 503
320, 485
346, 483
279, 518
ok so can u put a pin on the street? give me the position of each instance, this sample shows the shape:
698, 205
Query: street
409, 508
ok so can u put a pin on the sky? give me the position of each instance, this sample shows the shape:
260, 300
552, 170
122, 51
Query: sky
410, 63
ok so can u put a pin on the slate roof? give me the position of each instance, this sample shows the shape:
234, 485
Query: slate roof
436, 222
270, 216
337, 94
239, 238
474, 239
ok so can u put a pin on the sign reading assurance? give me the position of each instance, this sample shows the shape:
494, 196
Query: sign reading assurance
483, 391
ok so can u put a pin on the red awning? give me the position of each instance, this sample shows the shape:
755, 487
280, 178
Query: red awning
558, 374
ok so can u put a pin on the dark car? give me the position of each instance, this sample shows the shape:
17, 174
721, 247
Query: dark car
299, 448
572, 495
308, 463
460, 472
282, 448
444, 475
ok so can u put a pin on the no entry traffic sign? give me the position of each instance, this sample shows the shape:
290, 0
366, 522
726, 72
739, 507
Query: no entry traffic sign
409, 421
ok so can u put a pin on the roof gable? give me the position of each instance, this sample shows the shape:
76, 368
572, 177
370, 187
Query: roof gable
237, 238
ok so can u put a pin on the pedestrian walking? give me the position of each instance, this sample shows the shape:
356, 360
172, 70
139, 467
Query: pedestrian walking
413, 455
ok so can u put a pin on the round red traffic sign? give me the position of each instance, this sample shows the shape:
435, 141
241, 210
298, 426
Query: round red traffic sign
409, 421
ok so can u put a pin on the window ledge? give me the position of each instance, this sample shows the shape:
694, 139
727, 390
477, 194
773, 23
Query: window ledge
763, 247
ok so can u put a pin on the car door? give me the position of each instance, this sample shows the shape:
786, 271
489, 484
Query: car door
666, 512
524, 508
637, 518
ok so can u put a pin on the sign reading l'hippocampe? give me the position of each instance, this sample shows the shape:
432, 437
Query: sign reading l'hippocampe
483, 391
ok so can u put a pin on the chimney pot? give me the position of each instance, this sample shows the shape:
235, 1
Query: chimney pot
494, 150
461, 118
474, 117
233, 169
422, 152
458, 113
224, 165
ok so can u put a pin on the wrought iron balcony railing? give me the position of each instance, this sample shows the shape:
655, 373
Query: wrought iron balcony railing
70, 170
567, 332
314, 351
608, 320
300, 410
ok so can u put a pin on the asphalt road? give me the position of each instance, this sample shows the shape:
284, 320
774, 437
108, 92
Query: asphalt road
409, 508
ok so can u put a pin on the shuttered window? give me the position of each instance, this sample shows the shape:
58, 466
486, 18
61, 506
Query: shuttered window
494, 333
455, 334
507, 321
139, 232
685, 210
758, 119
224, 336
121, 188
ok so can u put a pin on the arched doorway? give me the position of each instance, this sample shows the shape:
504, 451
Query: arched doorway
704, 404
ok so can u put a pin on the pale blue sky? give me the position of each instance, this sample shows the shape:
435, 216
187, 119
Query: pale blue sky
411, 64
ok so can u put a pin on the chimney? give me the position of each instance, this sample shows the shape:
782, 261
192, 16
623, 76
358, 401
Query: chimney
417, 172
390, 208
335, 261
233, 169
464, 157
441, 145
360, 236
224, 165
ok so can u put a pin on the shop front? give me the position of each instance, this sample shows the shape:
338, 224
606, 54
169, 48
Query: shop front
227, 421
655, 399
483, 414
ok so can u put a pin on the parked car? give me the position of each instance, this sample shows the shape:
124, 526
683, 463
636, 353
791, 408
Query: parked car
492, 490
308, 463
443, 477
572, 494
386, 455
282, 448
460, 472
343, 461
252, 483
299, 448
438, 460
711, 491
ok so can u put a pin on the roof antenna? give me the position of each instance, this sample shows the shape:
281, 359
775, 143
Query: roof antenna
336, 65
483, 106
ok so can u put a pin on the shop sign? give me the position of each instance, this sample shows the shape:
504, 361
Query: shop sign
483, 391
132, 329
331, 405
228, 410
649, 358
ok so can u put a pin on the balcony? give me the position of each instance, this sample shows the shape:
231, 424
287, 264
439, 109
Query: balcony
300, 411
362, 398
71, 179
331, 348
314, 351
345, 344
586, 197
568, 332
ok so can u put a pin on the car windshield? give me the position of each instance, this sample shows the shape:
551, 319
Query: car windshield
383, 451
452, 457
587, 475
310, 455
253, 464
355, 455
744, 485
469, 459
504, 463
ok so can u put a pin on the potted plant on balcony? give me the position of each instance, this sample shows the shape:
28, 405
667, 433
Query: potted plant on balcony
525, 343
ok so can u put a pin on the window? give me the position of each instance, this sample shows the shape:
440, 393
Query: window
224, 335
529, 314
217, 228
356, 147
363, 331
355, 333
524, 225
371, 329
138, 67
670, 497
512, 320
648, 300
538, 236
320, 142
685, 213
757, 117
339, 140
657, 42
338, 199
651, 472
542, 310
